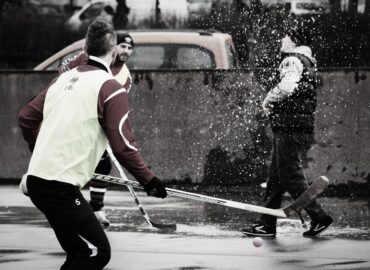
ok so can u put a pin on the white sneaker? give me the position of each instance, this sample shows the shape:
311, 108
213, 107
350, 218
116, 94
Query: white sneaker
100, 215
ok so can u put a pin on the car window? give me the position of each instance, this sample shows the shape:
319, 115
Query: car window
146, 57
282, 6
309, 6
171, 56
55, 65
194, 58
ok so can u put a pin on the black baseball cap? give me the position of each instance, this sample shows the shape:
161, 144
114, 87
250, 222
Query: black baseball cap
124, 37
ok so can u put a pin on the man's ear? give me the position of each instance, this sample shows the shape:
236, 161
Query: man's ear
114, 53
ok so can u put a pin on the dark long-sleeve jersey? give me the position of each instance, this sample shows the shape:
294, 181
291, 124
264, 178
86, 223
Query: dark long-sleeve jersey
70, 123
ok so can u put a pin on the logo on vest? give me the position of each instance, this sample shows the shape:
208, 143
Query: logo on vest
69, 87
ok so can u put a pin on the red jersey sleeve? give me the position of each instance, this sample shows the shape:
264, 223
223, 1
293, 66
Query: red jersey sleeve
113, 112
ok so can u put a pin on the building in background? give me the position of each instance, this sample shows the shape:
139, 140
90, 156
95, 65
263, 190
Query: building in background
140, 10
198, 8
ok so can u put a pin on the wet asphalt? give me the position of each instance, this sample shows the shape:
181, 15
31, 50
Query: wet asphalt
207, 236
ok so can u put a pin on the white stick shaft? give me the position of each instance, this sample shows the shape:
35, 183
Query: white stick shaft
227, 203
130, 189
198, 197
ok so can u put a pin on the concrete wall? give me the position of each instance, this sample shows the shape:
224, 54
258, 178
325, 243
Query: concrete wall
15, 91
343, 127
209, 126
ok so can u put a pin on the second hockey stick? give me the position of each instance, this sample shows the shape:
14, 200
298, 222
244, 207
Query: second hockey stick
303, 201
133, 194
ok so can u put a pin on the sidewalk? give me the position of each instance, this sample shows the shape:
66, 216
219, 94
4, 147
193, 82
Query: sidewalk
206, 238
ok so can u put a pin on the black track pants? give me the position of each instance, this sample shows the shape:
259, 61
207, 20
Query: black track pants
286, 173
98, 188
75, 225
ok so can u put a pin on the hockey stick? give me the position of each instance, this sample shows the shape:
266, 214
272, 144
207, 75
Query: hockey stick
304, 200
136, 199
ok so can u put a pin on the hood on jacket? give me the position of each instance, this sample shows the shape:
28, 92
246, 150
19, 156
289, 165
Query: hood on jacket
304, 50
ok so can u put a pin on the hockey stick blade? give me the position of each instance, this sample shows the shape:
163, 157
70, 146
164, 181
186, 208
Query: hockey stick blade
317, 187
157, 225
162, 226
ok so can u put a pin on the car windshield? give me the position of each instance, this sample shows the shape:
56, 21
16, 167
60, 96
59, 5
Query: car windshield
56, 64
309, 6
170, 56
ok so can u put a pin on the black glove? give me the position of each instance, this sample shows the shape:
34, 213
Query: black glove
156, 188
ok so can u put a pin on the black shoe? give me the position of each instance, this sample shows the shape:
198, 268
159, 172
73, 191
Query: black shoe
319, 227
261, 230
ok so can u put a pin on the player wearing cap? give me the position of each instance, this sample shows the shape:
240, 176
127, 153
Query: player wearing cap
125, 47
290, 107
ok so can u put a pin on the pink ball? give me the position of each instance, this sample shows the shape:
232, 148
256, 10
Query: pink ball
257, 241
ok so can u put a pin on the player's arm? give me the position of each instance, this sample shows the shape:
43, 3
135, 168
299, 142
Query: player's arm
291, 70
113, 110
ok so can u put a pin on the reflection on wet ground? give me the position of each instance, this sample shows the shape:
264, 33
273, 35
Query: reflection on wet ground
207, 236
351, 217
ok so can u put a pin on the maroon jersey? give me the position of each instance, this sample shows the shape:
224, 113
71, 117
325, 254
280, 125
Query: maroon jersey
119, 69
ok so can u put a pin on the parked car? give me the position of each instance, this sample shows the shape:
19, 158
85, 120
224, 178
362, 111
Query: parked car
156, 50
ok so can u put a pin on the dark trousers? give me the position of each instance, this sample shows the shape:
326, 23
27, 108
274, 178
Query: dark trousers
73, 221
286, 173
97, 197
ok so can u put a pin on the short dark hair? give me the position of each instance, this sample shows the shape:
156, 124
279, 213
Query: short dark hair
100, 38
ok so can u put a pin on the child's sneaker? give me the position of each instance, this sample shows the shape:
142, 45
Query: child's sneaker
319, 227
261, 230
